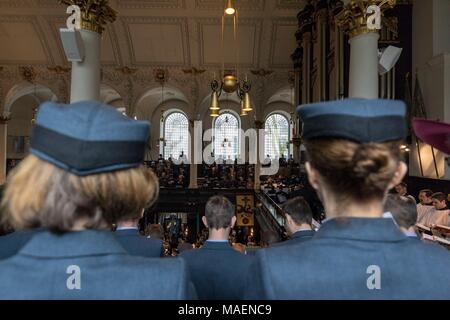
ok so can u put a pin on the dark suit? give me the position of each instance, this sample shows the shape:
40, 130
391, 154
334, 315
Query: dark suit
340, 262
11, 243
296, 238
44, 269
218, 271
137, 245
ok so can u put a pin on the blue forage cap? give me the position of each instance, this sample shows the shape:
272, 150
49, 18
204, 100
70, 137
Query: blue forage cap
88, 137
359, 120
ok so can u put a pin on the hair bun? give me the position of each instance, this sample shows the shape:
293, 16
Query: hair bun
369, 159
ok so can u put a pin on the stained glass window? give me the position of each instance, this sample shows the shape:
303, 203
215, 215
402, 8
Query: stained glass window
226, 136
176, 135
276, 136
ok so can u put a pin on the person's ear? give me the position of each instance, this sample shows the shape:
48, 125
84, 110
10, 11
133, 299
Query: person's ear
399, 175
205, 221
233, 222
312, 176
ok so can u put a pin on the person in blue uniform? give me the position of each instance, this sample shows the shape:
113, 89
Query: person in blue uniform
218, 270
354, 158
84, 173
298, 221
127, 234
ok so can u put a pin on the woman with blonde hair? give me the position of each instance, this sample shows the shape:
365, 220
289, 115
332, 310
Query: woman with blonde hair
354, 158
84, 173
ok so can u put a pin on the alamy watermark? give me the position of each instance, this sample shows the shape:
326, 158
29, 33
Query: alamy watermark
73, 282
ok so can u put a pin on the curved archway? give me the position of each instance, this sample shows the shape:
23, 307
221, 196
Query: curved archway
21, 104
175, 135
112, 97
277, 135
38, 92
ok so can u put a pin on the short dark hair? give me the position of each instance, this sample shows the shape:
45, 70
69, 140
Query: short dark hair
403, 209
299, 210
219, 211
440, 196
427, 192
403, 184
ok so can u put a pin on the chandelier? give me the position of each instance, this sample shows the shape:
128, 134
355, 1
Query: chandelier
230, 82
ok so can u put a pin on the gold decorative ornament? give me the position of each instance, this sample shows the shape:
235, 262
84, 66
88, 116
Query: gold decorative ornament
59, 69
229, 83
4, 118
127, 71
194, 71
95, 14
353, 17
28, 73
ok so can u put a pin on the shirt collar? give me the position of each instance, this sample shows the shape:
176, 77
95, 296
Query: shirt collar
366, 229
126, 228
72, 244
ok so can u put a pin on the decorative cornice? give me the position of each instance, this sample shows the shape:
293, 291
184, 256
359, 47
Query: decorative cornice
127, 71
155, 4
59, 69
28, 74
95, 14
353, 18
194, 71
261, 72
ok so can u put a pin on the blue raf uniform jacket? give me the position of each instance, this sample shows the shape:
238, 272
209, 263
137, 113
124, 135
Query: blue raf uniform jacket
296, 238
353, 258
137, 245
88, 265
218, 271
11, 243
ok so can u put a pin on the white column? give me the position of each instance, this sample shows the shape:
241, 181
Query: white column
85, 83
364, 66
194, 130
3, 150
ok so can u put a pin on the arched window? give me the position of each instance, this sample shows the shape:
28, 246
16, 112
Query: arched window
276, 136
226, 136
176, 135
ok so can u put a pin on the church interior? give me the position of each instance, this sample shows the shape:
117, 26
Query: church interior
221, 85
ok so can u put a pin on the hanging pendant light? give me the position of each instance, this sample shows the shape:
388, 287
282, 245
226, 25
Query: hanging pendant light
247, 107
214, 113
243, 113
230, 10
214, 101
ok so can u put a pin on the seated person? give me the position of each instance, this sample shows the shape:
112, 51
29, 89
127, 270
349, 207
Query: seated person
298, 221
218, 271
404, 213
127, 234
425, 206
75, 184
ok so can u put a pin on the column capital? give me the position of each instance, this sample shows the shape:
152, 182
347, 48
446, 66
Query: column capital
353, 17
5, 117
95, 14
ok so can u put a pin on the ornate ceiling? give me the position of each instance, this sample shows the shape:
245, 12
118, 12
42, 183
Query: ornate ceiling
156, 33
